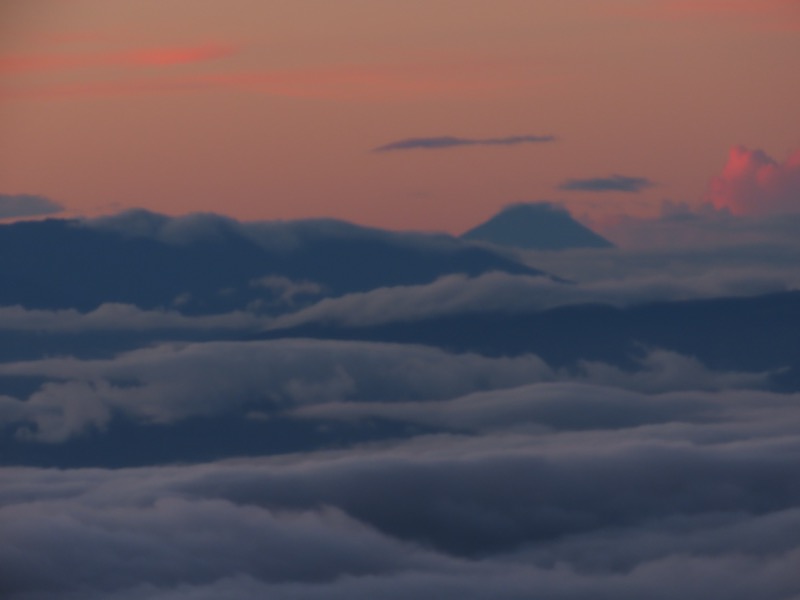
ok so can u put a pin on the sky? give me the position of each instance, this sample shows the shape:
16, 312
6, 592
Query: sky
212, 398
412, 114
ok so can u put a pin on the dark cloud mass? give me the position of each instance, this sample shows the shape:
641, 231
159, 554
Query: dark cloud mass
615, 512
314, 410
27, 205
439, 143
614, 183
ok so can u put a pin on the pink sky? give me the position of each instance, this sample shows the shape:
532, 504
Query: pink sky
269, 109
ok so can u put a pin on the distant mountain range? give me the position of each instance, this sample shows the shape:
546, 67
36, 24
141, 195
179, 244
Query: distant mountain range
536, 226
204, 264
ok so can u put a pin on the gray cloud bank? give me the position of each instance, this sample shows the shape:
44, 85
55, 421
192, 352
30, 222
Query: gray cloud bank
613, 183
680, 225
27, 205
664, 480
173, 382
443, 142
115, 317
459, 294
573, 491
503, 477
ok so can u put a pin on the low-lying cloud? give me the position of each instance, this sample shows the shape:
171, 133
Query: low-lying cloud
441, 474
459, 294
594, 396
172, 382
176, 381
744, 237
27, 205
688, 492
444, 142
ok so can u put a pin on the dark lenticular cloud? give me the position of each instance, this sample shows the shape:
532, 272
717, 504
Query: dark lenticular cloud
614, 183
27, 205
442, 142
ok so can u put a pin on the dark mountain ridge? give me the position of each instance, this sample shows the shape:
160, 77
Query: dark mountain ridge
207, 264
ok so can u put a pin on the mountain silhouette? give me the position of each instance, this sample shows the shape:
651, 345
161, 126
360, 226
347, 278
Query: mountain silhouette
203, 264
536, 226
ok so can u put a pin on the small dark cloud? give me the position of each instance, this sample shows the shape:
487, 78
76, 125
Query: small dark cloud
27, 205
615, 183
438, 143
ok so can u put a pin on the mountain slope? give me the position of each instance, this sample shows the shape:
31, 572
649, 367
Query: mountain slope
539, 226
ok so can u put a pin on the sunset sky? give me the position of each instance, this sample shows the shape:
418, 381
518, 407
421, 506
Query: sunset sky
423, 114
239, 359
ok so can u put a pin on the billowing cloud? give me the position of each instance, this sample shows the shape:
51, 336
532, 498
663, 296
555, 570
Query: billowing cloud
459, 294
173, 382
704, 233
753, 183
666, 475
443, 142
662, 480
617, 495
287, 291
577, 405
27, 205
614, 183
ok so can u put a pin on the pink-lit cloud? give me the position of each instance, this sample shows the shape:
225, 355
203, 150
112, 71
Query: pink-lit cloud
753, 183
148, 57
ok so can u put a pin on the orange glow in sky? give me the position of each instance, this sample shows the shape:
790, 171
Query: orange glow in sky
270, 109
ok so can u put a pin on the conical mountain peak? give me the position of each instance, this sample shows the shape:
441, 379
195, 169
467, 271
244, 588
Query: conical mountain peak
537, 226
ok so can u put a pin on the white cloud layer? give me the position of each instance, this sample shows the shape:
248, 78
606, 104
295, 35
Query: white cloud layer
510, 478
699, 496
459, 294
171, 382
